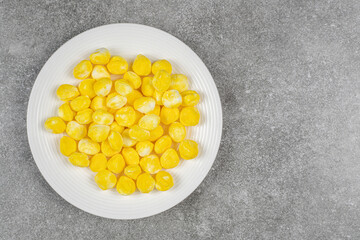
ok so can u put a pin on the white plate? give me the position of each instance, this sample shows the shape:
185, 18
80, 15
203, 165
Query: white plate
76, 185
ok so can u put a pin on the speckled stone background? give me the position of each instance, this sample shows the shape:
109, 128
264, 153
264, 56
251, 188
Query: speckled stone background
288, 73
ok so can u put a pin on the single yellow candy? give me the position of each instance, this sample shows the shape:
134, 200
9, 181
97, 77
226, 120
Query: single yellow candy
158, 97
76, 130
164, 181
171, 99
88, 146
80, 103
98, 133
115, 140
139, 134
177, 132
125, 116
117, 65
131, 97
130, 155
132, 171
169, 159
125, 186
189, 116
179, 82
67, 92
133, 79
141, 65
98, 162
116, 163
188, 149
156, 111
190, 98
105, 179
99, 72
107, 150
161, 81
162, 144
161, 65
122, 87
147, 88
102, 117
156, 133
65, 112
150, 164
116, 127
128, 142
55, 125
145, 183
100, 56
169, 115
79, 159
144, 104
86, 88
102, 87
115, 101
83, 69
144, 148
67, 145
84, 116
149, 121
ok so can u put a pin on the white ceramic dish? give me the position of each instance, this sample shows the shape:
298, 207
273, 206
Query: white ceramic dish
76, 185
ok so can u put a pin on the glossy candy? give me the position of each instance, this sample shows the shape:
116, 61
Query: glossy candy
100, 71
130, 155
144, 148
141, 65
67, 92
76, 130
117, 65
102, 87
98, 133
169, 159
161, 81
162, 144
125, 186
179, 82
67, 145
164, 181
105, 179
171, 99
161, 65
116, 163
145, 183
132, 171
177, 132
100, 56
189, 116
79, 159
98, 162
188, 149
55, 125
133, 79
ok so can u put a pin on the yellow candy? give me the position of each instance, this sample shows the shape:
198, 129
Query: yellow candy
161, 65
188, 149
125, 116
107, 150
125, 186
132, 171
98, 103
156, 110
116, 163
139, 115
149, 122
156, 133
115, 101
102, 87
177, 132
145, 183
144, 148
98, 162
190, 98
88, 146
189, 116
128, 142
100, 56
100, 71
139, 134
117, 65
141, 65
86, 88
179, 82
79, 159
84, 116
55, 125
67, 145
76, 130
147, 88
131, 97
161, 81
105, 179
115, 140
158, 97
164, 181
98, 133
83, 69
162, 144
67, 92
144, 104
150, 164
122, 87
130, 155
65, 112
171, 99
102, 117
80, 103
169, 115
116, 127
169, 159
133, 79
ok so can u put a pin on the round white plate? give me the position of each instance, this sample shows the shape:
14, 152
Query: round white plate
76, 185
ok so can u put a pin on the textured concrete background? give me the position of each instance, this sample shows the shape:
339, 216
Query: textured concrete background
288, 73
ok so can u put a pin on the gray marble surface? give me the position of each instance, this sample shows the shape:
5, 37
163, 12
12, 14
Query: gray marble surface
288, 73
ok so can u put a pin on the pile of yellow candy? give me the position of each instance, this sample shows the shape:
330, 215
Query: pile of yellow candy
126, 130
